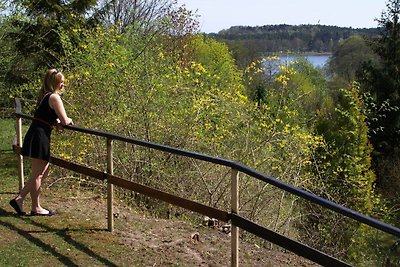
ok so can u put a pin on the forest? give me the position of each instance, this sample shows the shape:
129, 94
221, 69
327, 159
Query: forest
292, 38
143, 69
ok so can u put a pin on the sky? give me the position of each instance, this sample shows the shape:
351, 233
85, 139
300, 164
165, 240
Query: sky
216, 15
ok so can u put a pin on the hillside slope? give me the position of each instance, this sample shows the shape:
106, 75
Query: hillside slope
78, 236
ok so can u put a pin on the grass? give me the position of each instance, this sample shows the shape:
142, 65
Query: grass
60, 240
8, 160
7, 134
66, 239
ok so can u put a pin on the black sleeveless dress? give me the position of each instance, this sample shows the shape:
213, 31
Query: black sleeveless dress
37, 139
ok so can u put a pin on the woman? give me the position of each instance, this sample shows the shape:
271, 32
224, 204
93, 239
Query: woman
49, 112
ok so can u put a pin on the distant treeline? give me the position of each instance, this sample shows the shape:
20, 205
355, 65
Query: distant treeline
283, 38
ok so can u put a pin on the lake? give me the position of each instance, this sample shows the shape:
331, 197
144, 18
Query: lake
317, 60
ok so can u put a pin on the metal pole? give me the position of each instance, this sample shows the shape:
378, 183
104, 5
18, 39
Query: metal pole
234, 209
110, 187
20, 157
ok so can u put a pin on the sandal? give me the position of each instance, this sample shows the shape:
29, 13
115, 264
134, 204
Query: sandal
14, 204
51, 213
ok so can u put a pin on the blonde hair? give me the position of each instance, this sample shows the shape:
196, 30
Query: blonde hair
50, 84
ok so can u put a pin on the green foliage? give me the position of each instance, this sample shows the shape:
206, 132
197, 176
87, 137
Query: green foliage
382, 90
348, 58
40, 24
153, 96
307, 89
192, 98
374, 248
281, 139
8, 55
348, 159
343, 172
383, 81
298, 85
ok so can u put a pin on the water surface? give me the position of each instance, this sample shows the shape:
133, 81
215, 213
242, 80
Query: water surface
317, 60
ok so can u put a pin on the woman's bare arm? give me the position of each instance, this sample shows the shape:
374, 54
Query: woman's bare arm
56, 103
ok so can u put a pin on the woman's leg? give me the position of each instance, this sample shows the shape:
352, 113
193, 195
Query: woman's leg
40, 170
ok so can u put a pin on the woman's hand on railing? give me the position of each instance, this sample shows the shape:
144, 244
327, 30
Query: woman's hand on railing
60, 128
61, 124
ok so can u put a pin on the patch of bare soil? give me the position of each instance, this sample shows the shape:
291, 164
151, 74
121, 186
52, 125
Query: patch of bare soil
161, 242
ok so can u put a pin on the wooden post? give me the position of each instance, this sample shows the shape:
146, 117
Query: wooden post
110, 187
20, 157
234, 209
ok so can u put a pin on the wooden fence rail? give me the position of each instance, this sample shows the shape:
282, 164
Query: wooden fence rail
233, 216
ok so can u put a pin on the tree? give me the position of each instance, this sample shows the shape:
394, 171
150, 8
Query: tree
382, 82
9, 53
40, 38
348, 57
343, 173
138, 13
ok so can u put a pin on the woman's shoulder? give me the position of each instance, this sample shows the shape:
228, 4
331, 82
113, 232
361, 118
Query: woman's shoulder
54, 98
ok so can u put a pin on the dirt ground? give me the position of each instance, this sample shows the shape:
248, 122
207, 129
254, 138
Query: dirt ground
162, 242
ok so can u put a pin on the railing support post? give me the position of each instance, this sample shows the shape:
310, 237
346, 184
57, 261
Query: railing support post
234, 209
20, 157
110, 187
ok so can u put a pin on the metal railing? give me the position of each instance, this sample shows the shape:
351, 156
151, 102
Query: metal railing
236, 220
